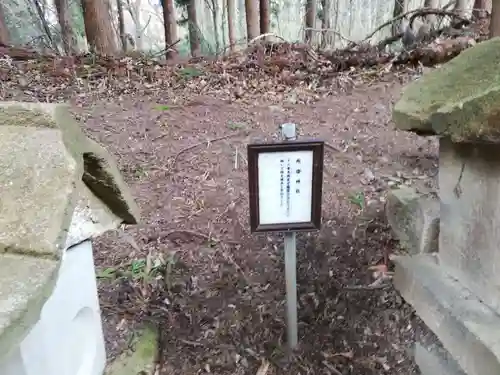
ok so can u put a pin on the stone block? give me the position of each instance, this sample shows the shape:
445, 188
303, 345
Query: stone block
25, 283
90, 218
37, 181
435, 360
58, 188
100, 172
469, 184
459, 100
466, 327
414, 218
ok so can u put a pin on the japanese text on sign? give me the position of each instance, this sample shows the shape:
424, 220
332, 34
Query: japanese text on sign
285, 187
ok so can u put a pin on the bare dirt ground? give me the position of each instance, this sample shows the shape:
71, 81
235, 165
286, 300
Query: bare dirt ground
191, 268
218, 292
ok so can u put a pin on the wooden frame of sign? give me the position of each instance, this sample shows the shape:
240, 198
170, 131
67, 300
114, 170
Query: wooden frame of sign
285, 186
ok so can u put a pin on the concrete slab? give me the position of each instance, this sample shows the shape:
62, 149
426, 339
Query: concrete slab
467, 328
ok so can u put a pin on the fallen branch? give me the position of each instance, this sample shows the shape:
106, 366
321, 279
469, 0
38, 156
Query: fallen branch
262, 36
200, 144
414, 14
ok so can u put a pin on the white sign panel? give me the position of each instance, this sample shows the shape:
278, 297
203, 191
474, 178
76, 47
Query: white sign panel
285, 187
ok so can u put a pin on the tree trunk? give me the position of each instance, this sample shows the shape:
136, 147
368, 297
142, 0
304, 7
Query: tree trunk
215, 17
431, 18
460, 7
67, 34
98, 27
134, 9
170, 26
45, 25
495, 19
264, 16
223, 26
4, 31
252, 18
194, 35
399, 8
310, 19
326, 24
230, 25
481, 8
121, 25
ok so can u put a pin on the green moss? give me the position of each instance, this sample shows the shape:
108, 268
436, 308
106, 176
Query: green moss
459, 99
142, 358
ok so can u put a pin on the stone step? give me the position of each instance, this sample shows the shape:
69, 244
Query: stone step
467, 328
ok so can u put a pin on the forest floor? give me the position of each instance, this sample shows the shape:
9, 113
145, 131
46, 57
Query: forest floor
217, 292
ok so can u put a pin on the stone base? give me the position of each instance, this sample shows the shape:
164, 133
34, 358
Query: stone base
414, 218
68, 337
467, 328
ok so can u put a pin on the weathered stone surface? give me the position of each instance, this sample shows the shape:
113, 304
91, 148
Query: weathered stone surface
466, 327
101, 173
25, 284
414, 218
103, 178
460, 100
435, 360
58, 188
37, 184
91, 217
469, 184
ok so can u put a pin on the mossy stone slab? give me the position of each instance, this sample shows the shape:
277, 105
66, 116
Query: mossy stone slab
459, 100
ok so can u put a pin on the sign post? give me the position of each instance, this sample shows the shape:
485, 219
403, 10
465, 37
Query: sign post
285, 185
288, 132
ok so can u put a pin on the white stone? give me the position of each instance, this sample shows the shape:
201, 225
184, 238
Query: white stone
68, 338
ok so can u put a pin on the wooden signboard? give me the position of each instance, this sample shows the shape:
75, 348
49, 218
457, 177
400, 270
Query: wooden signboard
285, 185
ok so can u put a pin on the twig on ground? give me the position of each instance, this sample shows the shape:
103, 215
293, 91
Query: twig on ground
157, 236
191, 343
199, 144
236, 158
237, 266
332, 368
264, 367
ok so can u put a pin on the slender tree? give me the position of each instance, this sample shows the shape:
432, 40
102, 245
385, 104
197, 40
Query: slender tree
399, 8
170, 26
98, 26
326, 23
431, 18
310, 18
4, 31
121, 25
67, 34
194, 34
230, 25
495, 19
264, 16
214, 9
252, 18
481, 8
460, 7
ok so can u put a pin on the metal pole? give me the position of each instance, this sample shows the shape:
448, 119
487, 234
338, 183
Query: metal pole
289, 134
